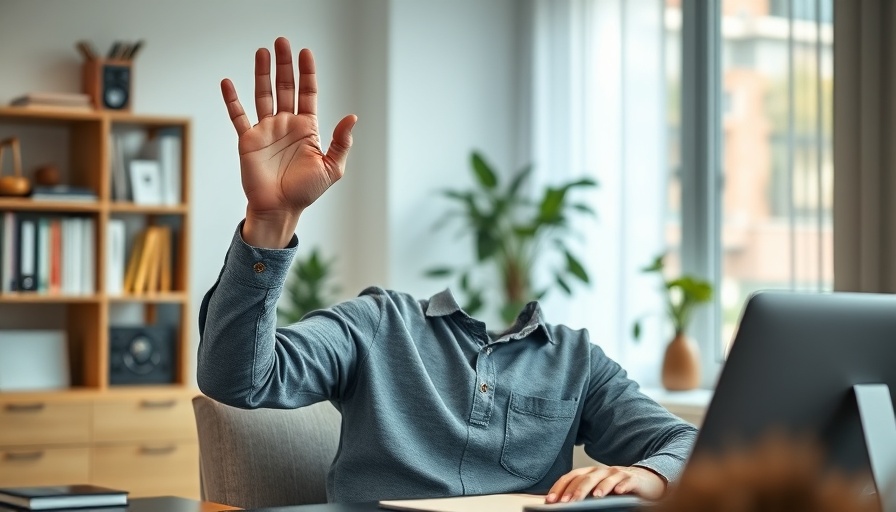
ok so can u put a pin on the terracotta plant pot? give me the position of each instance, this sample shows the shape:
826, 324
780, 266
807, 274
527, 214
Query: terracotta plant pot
681, 365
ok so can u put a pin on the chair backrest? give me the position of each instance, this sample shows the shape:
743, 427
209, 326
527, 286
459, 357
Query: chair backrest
265, 457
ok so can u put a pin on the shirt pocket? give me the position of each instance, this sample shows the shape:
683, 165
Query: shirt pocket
536, 430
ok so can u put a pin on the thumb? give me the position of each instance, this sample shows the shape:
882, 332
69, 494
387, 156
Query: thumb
342, 141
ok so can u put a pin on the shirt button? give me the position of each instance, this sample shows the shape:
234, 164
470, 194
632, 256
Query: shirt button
488, 351
258, 267
483, 387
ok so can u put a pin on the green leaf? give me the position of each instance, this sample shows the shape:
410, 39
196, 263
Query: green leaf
487, 178
486, 245
562, 284
656, 265
525, 231
551, 204
582, 183
439, 272
584, 208
574, 267
518, 181
636, 330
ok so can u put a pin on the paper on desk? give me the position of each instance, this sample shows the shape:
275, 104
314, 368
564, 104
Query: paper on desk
508, 503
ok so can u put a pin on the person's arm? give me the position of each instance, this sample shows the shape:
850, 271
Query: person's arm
644, 445
283, 169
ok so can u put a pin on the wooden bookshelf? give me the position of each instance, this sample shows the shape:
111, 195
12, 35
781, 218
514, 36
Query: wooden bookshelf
87, 432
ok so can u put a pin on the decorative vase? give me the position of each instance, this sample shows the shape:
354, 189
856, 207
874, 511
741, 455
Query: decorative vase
681, 364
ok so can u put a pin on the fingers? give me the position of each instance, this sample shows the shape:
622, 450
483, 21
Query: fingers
307, 83
286, 85
556, 491
234, 109
597, 481
342, 141
608, 484
264, 100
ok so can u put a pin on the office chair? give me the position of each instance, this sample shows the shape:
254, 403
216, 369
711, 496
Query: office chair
265, 457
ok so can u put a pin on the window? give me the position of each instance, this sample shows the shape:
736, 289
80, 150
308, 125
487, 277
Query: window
774, 211
708, 127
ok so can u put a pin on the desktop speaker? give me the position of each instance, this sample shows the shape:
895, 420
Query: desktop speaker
141, 355
108, 82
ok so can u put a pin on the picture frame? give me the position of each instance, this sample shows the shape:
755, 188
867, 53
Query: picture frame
146, 182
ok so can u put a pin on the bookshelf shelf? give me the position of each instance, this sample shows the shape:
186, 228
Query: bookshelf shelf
29, 205
156, 298
123, 207
46, 298
89, 430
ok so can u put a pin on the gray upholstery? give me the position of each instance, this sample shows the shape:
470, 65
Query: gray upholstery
265, 457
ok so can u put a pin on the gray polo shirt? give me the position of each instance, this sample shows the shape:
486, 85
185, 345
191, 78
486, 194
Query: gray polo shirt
432, 403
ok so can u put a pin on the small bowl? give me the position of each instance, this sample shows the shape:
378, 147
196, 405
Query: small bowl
14, 186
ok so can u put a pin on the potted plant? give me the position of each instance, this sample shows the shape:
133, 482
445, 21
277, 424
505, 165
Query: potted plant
308, 288
511, 233
681, 362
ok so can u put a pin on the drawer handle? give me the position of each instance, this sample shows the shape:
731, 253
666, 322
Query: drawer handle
35, 407
158, 450
157, 404
23, 456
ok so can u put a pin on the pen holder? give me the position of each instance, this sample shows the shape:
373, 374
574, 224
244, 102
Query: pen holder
15, 185
108, 83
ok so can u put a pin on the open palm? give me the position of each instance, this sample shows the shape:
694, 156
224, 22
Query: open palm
282, 165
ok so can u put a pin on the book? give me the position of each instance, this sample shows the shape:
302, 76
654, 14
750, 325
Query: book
63, 496
165, 148
115, 257
53, 100
512, 503
27, 245
63, 193
8, 253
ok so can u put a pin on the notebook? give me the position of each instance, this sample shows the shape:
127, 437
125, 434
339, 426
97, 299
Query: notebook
512, 503
63, 496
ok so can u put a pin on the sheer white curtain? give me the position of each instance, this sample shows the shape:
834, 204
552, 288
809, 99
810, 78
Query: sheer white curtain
598, 108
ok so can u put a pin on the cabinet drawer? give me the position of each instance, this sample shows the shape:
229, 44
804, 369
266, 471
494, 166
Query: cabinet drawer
149, 419
43, 466
42, 423
148, 469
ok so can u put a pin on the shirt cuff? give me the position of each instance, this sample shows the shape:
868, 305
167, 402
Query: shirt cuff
668, 467
257, 267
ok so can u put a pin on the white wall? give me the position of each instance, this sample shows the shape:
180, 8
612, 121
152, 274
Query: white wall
453, 88
429, 80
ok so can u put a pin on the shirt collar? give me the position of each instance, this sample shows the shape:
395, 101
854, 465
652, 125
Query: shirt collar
530, 318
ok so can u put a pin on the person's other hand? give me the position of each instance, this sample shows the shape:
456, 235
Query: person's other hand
604, 480
283, 167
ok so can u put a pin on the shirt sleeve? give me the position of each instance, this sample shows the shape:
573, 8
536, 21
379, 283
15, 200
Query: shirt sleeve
245, 361
623, 427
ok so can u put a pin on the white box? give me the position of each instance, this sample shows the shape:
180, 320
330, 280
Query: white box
33, 360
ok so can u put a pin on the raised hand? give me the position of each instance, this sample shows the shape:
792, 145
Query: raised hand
282, 164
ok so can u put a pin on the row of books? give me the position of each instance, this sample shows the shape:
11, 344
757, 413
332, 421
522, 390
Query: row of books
80, 496
47, 254
149, 267
147, 171
56, 255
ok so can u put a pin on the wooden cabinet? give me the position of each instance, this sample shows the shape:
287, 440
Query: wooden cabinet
141, 440
139, 436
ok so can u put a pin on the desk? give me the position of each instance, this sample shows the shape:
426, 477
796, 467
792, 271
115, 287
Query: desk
174, 504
